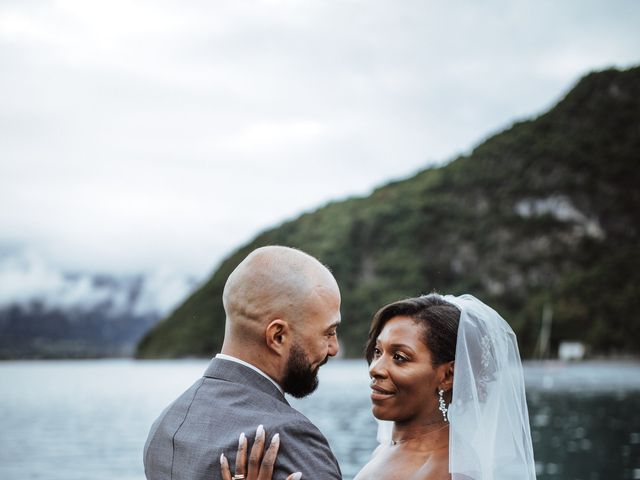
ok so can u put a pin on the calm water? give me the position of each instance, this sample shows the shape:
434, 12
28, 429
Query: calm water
88, 420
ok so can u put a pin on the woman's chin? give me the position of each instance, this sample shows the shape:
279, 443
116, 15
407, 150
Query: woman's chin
381, 413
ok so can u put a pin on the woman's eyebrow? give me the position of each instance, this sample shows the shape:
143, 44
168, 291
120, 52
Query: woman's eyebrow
401, 346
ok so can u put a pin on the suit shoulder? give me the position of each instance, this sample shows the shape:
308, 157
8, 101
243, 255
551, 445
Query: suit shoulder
304, 448
298, 422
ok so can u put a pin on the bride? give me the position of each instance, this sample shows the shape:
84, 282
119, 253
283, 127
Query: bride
447, 390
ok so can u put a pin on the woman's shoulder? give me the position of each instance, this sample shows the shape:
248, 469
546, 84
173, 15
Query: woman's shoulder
372, 467
377, 450
435, 467
385, 463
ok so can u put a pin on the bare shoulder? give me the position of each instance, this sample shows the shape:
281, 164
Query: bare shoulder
377, 450
436, 467
377, 463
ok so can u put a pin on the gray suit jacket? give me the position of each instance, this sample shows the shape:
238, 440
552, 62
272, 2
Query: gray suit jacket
186, 441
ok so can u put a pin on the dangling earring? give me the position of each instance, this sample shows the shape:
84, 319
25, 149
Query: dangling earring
443, 406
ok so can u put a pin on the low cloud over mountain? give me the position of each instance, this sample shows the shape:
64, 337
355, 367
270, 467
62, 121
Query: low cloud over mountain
46, 312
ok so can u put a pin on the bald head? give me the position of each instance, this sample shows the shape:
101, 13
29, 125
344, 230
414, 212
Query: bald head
283, 311
272, 282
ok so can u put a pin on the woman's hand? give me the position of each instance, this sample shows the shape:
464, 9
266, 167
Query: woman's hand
261, 463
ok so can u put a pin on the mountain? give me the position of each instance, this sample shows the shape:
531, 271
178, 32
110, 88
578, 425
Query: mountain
544, 215
103, 329
46, 313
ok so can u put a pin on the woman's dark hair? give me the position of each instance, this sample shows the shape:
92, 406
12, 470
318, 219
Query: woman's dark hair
438, 318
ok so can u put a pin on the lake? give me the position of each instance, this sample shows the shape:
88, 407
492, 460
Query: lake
88, 420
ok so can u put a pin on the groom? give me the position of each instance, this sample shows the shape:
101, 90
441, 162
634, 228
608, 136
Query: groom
283, 309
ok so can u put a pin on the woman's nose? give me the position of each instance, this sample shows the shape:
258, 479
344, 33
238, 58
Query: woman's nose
376, 368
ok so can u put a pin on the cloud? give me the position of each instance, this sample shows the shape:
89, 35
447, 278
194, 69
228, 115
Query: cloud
26, 278
149, 136
162, 291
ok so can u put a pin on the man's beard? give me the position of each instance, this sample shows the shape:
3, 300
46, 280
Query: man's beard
300, 379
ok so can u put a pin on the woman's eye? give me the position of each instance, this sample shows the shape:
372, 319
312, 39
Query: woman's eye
399, 358
376, 352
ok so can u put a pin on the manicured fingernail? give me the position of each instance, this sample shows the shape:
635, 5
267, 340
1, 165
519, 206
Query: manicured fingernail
260, 431
222, 459
241, 439
297, 476
276, 438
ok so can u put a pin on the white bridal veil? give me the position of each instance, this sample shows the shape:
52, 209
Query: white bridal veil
489, 435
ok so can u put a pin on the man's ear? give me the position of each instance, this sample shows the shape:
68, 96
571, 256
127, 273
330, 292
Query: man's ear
446, 372
277, 335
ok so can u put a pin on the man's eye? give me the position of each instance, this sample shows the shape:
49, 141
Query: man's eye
332, 334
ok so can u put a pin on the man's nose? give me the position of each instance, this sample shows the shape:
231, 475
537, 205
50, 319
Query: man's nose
334, 346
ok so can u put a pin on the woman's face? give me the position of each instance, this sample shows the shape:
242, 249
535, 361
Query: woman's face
404, 384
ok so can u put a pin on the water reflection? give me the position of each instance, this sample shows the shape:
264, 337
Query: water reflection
588, 436
585, 419
89, 420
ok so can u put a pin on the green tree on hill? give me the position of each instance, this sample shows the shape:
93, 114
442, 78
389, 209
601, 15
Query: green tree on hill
547, 211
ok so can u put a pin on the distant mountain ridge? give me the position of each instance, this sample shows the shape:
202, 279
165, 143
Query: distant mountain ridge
545, 213
46, 313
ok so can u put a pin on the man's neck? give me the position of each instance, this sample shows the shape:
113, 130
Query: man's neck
247, 363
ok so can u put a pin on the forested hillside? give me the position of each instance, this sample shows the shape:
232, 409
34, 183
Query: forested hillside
544, 213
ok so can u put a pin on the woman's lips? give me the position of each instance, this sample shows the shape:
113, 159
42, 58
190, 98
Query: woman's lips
378, 393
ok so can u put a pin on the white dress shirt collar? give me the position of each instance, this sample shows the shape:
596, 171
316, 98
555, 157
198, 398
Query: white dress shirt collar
222, 356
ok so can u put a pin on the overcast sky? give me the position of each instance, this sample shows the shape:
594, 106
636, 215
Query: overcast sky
144, 135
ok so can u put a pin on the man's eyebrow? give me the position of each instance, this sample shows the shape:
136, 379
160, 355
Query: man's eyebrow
333, 325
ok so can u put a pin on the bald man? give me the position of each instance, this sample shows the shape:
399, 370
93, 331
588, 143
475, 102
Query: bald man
282, 311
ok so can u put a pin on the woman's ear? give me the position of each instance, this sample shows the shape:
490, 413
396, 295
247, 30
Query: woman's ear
277, 335
446, 373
